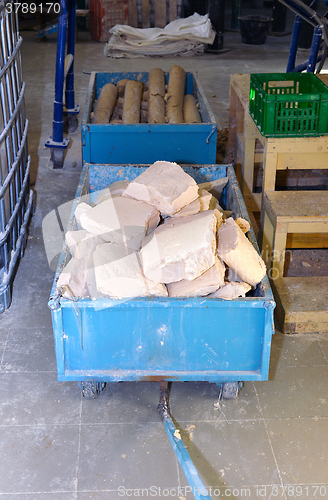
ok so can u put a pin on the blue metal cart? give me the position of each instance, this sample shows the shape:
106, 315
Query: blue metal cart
154, 339
64, 73
163, 339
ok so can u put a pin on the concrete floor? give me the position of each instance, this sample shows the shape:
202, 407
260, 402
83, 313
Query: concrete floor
270, 443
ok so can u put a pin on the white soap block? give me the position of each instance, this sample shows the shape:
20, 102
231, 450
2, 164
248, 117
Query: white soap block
119, 273
190, 209
72, 280
72, 238
238, 253
114, 189
78, 276
164, 185
205, 201
181, 248
124, 221
231, 290
82, 208
207, 283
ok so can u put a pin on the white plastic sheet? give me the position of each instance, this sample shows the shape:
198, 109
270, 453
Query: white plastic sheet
181, 37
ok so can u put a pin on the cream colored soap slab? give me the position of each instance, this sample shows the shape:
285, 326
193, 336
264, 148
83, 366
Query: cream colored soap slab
202, 203
72, 280
181, 248
78, 277
164, 185
72, 238
206, 283
119, 273
231, 290
82, 208
238, 253
120, 220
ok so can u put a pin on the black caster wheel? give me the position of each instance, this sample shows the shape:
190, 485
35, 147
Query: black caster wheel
71, 123
57, 157
91, 390
230, 390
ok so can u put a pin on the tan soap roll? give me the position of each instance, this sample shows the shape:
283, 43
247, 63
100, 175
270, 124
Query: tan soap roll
156, 82
156, 109
156, 85
190, 110
105, 103
132, 102
175, 93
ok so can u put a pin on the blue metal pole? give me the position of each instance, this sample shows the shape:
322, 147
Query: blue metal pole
197, 486
294, 44
313, 57
69, 89
58, 124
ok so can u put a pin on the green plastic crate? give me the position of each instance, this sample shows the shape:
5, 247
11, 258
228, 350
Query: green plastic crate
289, 104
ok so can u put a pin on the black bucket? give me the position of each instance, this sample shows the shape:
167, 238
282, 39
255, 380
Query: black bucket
254, 29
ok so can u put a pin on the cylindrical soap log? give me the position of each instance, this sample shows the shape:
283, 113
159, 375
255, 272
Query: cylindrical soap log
190, 110
156, 109
156, 82
156, 85
121, 86
132, 102
175, 93
106, 103
144, 104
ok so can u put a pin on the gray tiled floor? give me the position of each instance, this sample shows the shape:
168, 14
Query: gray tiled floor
269, 443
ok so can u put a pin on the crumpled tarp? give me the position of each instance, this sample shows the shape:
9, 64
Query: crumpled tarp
183, 37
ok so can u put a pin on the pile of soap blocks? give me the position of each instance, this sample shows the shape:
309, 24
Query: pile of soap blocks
161, 235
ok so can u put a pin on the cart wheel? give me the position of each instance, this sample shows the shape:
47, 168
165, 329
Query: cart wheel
72, 123
230, 390
57, 157
91, 390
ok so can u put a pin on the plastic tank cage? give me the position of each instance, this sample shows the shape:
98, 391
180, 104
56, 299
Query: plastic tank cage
16, 199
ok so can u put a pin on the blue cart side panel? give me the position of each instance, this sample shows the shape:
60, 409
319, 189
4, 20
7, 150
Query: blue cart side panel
147, 143
197, 341
163, 338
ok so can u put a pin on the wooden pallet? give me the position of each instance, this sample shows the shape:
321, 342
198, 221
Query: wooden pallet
142, 11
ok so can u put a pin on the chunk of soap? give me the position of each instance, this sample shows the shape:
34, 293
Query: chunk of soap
164, 185
72, 280
181, 248
82, 208
124, 221
119, 273
231, 290
238, 253
78, 277
200, 204
206, 283
73, 238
